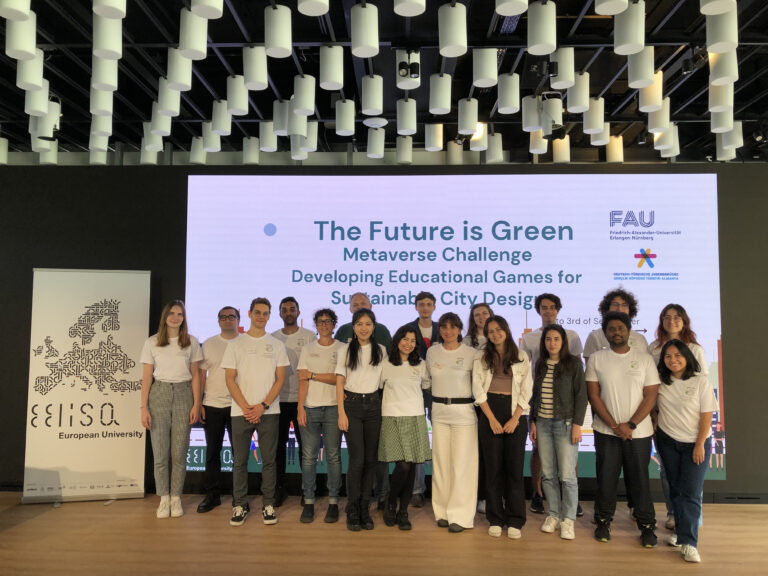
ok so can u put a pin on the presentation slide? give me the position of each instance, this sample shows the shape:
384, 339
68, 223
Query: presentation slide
499, 239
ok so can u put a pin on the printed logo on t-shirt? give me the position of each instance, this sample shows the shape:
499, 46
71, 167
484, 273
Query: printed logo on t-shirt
690, 391
300, 342
634, 365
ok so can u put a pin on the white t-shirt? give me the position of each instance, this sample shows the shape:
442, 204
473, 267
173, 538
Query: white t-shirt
293, 345
451, 374
216, 392
481, 342
402, 389
532, 340
365, 378
681, 404
622, 378
321, 360
256, 360
654, 349
597, 341
171, 363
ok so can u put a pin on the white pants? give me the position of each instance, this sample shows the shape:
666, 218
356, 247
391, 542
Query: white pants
454, 473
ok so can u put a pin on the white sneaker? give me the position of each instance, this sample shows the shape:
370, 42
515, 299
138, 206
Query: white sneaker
690, 554
550, 524
672, 541
566, 530
494, 531
514, 533
176, 510
164, 510
481, 506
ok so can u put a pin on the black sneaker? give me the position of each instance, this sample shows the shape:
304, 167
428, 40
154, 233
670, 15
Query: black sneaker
365, 518
603, 531
238, 516
307, 514
647, 537
208, 504
418, 500
332, 514
537, 504
455, 528
579, 510
402, 520
442, 523
353, 519
390, 514
268, 515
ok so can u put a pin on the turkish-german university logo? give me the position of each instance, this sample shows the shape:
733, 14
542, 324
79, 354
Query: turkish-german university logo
645, 256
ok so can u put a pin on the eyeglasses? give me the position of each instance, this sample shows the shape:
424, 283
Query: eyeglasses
326, 321
227, 317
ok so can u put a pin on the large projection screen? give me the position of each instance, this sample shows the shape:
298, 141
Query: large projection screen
500, 239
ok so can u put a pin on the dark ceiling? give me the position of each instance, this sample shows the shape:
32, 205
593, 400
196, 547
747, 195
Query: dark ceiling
674, 27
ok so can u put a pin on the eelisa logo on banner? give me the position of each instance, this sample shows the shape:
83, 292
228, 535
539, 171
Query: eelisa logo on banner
627, 218
645, 256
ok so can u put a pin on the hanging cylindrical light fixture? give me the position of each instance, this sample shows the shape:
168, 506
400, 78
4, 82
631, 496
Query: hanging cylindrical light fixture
309, 142
101, 102
404, 150
651, 96
373, 95
101, 125
538, 144
304, 94
610, 7
723, 32
314, 8
614, 151
179, 71
542, 28
193, 36
3, 151
467, 114
511, 7
407, 69
410, 8
375, 148
250, 150
484, 67
49, 122
50, 157
267, 137
629, 29
21, 38
494, 154
107, 37
237, 96
406, 116
221, 119
151, 141
577, 100
168, 100
721, 121
721, 98
531, 113
36, 101
211, 140
296, 152
255, 67
722, 153
723, 68
104, 74
160, 124
345, 117
109, 8
452, 27
278, 38
641, 68
561, 150
733, 138
566, 72
365, 30
454, 153
297, 123
210, 9
601, 138
658, 121
479, 140
594, 116
553, 111
280, 109
439, 93
664, 140
433, 137
509, 94
14, 10
197, 153
673, 150
147, 158
331, 67
714, 7
29, 73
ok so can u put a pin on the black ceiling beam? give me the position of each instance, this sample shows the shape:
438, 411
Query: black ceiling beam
579, 18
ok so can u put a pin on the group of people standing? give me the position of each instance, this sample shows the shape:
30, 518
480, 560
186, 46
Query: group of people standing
483, 395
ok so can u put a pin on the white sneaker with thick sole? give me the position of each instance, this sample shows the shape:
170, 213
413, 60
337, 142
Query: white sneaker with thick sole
164, 510
672, 541
514, 533
550, 524
566, 530
176, 509
689, 553
494, 531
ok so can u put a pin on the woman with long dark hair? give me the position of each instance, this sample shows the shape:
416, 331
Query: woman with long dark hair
502, 386
170, 402
358, 373
478, 315
683, 437
404, 437
558, 406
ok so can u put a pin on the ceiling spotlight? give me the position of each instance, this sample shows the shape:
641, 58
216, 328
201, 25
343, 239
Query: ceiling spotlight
403, 69
642, 138
414, 67
687, 66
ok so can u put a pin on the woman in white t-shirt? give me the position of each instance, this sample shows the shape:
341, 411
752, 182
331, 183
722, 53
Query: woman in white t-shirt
170, 402
686, 402
404, 437
358, 373
478, 315
502, 386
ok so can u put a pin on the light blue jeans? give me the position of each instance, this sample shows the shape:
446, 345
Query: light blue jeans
558, 456
321, 420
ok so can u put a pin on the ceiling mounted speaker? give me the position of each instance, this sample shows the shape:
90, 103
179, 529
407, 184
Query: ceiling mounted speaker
610, 7
511, 7
345, 117
365, 30
168, 100
313, 7
250, 150
542, 28
641, 67
277, 31
114, 9
29, 73
373, 95
20, 38
14, 10
406, 116
509, 93
715, 7
179, 71
410, 8
331, 67
267, 137
594, 117
104, 74
629, 29
566, 73
651, 97
237, 96
561, 150
304, 94
484, 67
452, 28
375, 148
723, 32
221, 119
614, 151
193, 38
723, 68
433, 137
404, 150
208, 9
439, 94
467, 116
577, 100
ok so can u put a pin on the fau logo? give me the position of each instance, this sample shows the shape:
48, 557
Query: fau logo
628, 218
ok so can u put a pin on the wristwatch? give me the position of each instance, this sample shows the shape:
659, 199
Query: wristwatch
266, 406
632, 425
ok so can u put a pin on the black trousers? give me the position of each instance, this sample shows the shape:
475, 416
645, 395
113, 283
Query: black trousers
216, 421
364, 416
288, 415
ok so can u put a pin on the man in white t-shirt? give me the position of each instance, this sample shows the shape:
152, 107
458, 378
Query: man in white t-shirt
622, 384
548, 306
217, 403
294, 338
255, 371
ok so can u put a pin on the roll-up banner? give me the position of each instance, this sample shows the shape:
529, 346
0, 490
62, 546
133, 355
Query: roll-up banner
84, 435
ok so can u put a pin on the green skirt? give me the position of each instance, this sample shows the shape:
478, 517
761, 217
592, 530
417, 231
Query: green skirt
404, 438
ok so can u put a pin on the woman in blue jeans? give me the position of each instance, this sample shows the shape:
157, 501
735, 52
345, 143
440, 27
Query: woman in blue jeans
318, 415
557, 413
686, 402
358, 373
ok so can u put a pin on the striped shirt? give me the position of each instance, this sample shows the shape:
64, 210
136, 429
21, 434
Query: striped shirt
546, 406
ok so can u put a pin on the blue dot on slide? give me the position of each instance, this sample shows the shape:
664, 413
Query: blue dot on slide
270, 229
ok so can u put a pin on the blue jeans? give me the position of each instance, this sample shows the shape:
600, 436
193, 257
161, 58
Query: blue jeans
558, 455
686, 481
321, 420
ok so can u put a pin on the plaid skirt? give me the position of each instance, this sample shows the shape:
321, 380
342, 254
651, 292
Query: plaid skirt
404, 438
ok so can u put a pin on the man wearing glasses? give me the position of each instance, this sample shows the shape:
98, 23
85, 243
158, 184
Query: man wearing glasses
216, 404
